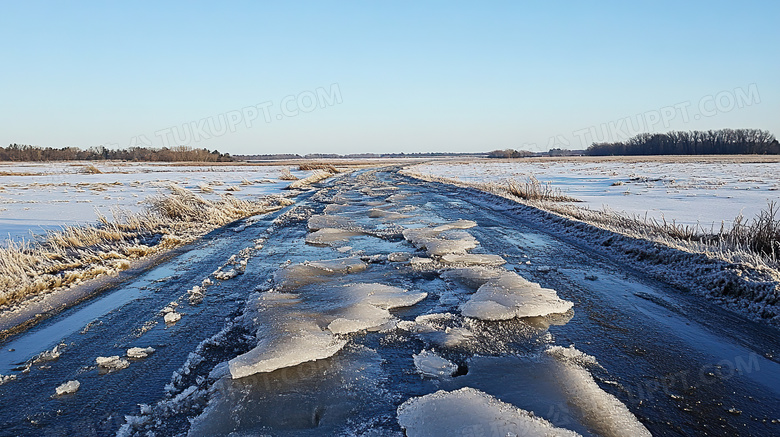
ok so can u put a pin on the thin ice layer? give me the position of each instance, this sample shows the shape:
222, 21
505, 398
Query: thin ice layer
432, 365
383, 296
472, 277
300, 341
511, 296
317, 222
310, 272
359, 317
469, 410
328, 236
473, 259
600, 411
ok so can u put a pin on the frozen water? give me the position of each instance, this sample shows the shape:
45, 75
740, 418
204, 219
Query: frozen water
46, 196
687, 192
383, 296
309, 272
600, 410
471, 411
473, 259
317, 222
171, 317
432, 365
329, 236
112, 363
67, 388
471, 277
298, 342
359, 317
139, 352
511, 296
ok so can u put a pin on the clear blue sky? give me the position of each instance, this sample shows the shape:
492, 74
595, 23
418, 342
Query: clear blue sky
392, 76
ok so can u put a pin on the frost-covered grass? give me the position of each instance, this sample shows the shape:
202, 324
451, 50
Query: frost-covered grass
35, 197
711, 188
65, 257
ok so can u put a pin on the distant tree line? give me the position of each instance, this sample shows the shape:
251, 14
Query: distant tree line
282, 156
22, 152
712, 142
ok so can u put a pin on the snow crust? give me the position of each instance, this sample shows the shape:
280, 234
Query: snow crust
471, 411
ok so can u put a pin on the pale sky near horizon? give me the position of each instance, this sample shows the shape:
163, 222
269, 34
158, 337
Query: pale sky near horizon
351, 77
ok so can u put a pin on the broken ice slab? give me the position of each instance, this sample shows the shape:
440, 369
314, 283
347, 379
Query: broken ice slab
510, 296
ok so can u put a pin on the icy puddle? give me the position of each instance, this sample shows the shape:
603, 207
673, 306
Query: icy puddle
394, 321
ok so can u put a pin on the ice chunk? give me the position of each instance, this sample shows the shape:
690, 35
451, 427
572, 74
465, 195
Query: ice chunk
112, 363
299, 342
383, 296
359, 317
309, 272
317, 222
387, 215
460, 224
6, 378
601, 411
511, 296
67, 388
328, 236
436, 242
451, 413
172, 317
473, 259
139, 352
430, 364
398, 257
49, 355
472, 277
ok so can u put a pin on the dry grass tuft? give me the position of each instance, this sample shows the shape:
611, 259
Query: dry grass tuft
90, 169
74, 254
318, 166
532, 189
287, 176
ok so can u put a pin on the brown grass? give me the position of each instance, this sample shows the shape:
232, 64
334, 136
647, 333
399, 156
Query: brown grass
286, 175
318, 166
74, 254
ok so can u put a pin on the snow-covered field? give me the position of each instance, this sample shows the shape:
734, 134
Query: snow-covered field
706, 192
35, 197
